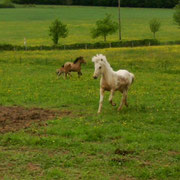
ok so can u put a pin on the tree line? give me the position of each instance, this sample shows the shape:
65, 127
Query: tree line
124, 3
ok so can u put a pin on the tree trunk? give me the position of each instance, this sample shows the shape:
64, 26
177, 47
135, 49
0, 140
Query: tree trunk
119, 9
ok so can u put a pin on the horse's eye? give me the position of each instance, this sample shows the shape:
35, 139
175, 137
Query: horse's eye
101, 59
100, 67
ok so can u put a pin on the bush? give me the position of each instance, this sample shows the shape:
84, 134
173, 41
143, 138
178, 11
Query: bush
176, 15
124, 3
98, 45
7, 4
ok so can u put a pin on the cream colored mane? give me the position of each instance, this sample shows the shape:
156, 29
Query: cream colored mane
98, 59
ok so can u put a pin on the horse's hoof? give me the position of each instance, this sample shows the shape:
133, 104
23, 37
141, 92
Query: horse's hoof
113, 104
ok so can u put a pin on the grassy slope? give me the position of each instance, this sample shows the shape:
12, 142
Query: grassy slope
33, 23
83, 146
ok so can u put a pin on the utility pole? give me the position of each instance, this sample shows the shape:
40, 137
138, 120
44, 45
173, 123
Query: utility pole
119, 8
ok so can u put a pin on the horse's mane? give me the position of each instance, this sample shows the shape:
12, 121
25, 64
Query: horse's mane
77, 59
101, 57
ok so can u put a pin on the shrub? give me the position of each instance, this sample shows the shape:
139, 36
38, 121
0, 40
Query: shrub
7, 4
176, 15
98, 45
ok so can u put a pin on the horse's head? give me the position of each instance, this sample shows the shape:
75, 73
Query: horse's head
80, 59
99, 65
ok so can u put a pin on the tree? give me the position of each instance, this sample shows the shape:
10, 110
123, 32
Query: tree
177, 14
104, 27
7, 3
154, 25
56, 30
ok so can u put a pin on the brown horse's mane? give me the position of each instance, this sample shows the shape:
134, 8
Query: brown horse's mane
77, 59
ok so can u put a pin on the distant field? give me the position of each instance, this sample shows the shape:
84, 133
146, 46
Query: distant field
85, 145
33, 24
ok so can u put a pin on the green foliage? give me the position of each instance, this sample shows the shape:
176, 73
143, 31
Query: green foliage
6, 4
124, 3
177, 14
154, 25
104, 27
98, 45
57, 30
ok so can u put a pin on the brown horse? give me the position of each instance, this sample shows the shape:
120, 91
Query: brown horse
64, 70
71, 67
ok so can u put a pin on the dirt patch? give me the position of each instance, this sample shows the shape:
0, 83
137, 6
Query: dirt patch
174, 153
123, 152
33, 167
15, 118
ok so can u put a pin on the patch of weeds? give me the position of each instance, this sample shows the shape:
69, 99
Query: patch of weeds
164, 65
118, 161
95, 134
55, 173
167, 172
141, 108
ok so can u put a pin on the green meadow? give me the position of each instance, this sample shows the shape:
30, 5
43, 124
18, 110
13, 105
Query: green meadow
85, 145
33, 24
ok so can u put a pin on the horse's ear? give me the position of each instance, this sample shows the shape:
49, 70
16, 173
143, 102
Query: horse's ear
93, 59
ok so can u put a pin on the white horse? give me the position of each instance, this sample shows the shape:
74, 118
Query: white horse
111, 80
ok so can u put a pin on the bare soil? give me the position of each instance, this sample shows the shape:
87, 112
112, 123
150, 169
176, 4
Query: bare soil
123, 152
16, 118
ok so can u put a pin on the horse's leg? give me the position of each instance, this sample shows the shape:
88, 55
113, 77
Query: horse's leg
111, 97
69, 74
59, 74
79, 74
123, 100
101, 100
66, 75
126, 103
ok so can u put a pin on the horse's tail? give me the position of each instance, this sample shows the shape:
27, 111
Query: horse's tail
132, 78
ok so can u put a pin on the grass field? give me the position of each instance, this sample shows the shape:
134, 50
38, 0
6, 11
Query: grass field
33, 23
84, 145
